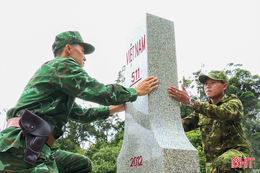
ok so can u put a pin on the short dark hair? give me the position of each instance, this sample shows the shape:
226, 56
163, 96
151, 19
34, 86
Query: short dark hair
59, 51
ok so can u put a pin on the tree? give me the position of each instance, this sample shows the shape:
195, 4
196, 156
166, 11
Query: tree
105, 159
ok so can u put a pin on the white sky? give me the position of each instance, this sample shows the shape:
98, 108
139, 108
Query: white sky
211, 32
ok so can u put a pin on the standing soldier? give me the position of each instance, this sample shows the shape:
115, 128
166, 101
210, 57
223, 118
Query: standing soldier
219, 120
47, 103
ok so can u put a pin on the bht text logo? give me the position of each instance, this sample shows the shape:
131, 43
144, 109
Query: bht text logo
237, 162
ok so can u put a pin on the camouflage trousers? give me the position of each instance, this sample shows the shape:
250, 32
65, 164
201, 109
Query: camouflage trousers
50, 161
222, 164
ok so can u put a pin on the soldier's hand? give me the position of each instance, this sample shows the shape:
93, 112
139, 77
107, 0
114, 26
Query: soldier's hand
146, 86
180, 95
118, 108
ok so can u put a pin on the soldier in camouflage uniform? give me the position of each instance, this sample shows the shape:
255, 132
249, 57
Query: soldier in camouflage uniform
50, 94
220, 123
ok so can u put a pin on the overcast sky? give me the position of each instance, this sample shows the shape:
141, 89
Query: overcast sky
213, 33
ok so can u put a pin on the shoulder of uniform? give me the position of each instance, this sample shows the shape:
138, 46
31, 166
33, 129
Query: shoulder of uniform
230, 97
233, 96
52, 61
70, 61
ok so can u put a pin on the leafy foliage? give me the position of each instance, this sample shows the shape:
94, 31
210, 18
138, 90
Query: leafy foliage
195, 139
104, 156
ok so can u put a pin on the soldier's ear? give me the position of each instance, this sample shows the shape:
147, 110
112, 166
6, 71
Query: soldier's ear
225, 86
67, 49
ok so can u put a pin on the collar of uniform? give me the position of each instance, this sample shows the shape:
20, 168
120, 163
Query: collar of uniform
65, 58
221, 101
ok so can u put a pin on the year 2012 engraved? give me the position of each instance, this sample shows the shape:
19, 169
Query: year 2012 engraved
136, 161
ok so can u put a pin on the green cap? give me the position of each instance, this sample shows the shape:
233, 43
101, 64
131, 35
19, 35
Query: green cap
215, 75
71, 37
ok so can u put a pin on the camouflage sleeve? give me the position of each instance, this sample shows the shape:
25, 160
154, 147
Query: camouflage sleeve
88, 115
230, 110
190, 122
73, 80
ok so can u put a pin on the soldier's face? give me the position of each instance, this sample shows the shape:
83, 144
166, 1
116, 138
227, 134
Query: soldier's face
214, 88
77, 53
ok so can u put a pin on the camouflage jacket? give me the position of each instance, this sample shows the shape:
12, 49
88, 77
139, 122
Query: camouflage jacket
220, 126
52, 90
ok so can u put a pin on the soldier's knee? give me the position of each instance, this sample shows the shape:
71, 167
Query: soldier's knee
223, 165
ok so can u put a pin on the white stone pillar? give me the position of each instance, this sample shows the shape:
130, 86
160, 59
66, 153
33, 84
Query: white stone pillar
154, 139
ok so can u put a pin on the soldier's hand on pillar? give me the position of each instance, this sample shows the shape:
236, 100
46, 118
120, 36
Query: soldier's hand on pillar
118, 108
146, 86
180, 95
